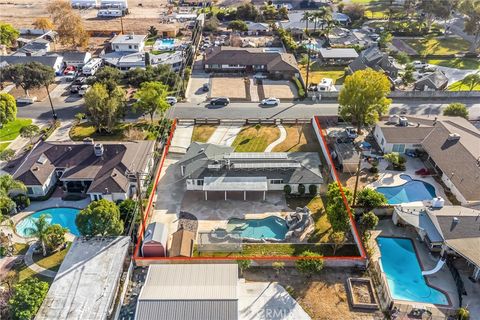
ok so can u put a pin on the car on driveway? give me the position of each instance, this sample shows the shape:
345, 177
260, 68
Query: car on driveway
223, 101
171, 100
419, 64
270, 102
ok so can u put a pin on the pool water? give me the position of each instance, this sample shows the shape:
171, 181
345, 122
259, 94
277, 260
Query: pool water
404, 274
412, 190
270, 227
62, 216
166, 43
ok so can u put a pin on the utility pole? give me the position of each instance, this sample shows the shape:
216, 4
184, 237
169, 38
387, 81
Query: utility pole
121, 24
308, 62
54, 115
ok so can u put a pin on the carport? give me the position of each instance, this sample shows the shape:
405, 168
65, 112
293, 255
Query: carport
235, 184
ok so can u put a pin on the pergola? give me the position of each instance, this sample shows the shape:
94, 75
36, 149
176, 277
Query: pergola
226, 184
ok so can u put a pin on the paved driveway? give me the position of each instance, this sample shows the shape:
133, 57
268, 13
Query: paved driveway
225, 134
195, 93
182, 138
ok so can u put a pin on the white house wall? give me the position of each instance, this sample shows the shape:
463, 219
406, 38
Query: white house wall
454, 189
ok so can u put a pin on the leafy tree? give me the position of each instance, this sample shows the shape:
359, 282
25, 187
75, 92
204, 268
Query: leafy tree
8, 108
7, 186
307, 17
29, 131
407, 76
472, 80
151, 98
337, 213
39, 231
109, 76
21, 200
105, 107
68, 22
7, 155
238, 25
385, 39
471, 10
282, 13
247, 12
434, 8
370, 198
397, 160
355, 11
127, 209
27, 298
269, 12
55, 236
30, 75
44, 24
402, 58
369, 220
8, 34
309, 263
161, 73
244, 265
100, 218
363, 97
338, 239
456, 109
152, 32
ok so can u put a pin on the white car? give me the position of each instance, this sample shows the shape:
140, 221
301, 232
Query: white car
171, 100
83, 89
419, 65
270, 102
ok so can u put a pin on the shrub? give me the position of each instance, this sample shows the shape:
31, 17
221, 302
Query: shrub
456, 110
287, 189
7, 155
21, 200
55, 237
301, 189
373, 170
27, 298
370, 198
312, 189
310, 263
463, 314
369, 220
397, 160
301, 91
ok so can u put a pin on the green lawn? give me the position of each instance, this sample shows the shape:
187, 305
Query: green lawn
201, 133
322, 225
337, 74
459, 86
122, 131
458, 63
53, 261
12, 129
4, 146
251, 140
437, 46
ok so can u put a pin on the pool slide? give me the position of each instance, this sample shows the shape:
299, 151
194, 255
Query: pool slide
437, 268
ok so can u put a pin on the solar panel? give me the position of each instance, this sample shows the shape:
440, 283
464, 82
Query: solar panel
256, 155
264, 165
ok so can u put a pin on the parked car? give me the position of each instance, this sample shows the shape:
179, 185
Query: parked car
419, 64
351, 132
223, 101
270, 102
171, 100
69, 69
71, 73
83, 89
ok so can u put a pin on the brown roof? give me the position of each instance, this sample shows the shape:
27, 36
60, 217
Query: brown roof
275, 61
182, 243
418, 129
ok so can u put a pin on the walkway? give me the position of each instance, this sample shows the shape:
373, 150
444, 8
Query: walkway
182, 138
225, 134
35, 267
62, 133
283, 137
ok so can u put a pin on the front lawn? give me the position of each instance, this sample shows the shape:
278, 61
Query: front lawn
458, 63
251, 140
337, 74
300, 138
203, 132
11, 130
4, 146
438, 46
459, 86
143, 130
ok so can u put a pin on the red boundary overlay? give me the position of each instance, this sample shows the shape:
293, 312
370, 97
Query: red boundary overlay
136, 256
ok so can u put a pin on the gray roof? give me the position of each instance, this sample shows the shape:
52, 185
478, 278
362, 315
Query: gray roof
125, 59
50, 61
346, 152
72, 55
414, 133
436, 80
373, 58
338, 53
257, 26
156, 232
189, 291
128, 39
87, 281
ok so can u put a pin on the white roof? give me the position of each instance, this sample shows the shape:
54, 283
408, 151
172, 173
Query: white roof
338, 53
128, 38
235, 184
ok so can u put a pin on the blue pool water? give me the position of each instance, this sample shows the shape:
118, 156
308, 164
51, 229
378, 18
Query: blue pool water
403, 272
62, 216
271, 227
167, 43
412, 190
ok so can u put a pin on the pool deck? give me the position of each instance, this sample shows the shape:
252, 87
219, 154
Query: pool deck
442, 280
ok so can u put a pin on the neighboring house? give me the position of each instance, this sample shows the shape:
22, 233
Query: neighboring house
128, 43
434, 81
75, 58
337, 56
297, 25
450, 230
155, 241
36, 47
209, 167
258, 28
84, 4
87, 283
172, 59
124, 61
343, 37
341, 18
452, 145
189, 291
225, 59
114, 4
197, 3
55, 62
100, 171
375, 59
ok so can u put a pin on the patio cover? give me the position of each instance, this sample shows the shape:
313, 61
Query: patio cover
235, 184
422, 221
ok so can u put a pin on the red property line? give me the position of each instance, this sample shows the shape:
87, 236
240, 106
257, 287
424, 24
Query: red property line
136, 256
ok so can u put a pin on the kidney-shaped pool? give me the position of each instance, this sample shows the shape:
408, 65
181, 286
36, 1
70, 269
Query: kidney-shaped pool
62, 216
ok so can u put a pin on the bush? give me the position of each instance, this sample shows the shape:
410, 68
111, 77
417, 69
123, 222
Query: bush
55, 237
301, 91
287, 189
27, 298
7, 155
21, 200
301, 189
369, 220
310, 263
397, 160
312, 189
456, 110
373, 170
370, 198
463, 314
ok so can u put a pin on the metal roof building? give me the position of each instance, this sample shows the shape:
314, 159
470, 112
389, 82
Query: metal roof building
189, 291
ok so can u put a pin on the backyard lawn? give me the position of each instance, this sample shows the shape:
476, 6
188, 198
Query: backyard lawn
459, 86
252, 140
300, 138
203, 132
458, 63
337, 74
438, 46
53, 261
322, 225
122, 131
11, 130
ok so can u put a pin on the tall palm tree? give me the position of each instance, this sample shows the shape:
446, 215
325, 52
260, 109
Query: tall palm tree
324, 14
7, 185
40, 231
307, 16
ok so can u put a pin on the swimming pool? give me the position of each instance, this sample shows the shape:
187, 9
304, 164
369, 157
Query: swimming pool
412, 190
270, 227
404, 274
62, 216
165, 44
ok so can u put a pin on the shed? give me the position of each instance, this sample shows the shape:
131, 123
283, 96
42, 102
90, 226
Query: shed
155, 240
182, 243
347, 156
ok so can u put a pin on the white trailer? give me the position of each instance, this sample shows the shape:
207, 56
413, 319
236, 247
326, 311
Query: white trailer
83, 4
106, 13
92, 66
114, 4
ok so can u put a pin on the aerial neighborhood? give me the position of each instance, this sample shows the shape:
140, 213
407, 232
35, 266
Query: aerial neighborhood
244, 160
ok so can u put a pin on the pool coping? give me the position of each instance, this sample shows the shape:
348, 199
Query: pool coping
407, 181
450, 305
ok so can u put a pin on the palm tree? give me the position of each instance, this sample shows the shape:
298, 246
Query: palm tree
40, 231
324, 14
307, 16
7, 185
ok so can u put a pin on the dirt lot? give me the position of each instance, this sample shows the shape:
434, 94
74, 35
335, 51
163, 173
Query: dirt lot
232, 87
323, 296
299, 138
281, 89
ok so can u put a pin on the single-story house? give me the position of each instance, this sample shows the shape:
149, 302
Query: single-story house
337, 56
215, 168
182, 243
434, 81
258, 28
375, 59
172, 59
189, 291
450, 230
275, 63
36, 47
342, 37
56, 62
297, 25
75, 58
347, 156
98, 170
155, 241
452, 145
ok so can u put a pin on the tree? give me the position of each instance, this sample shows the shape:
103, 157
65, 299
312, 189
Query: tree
29, 131
402, 58
471, 10
8, 108
105, 107
247, 12
385, 39
369, 220
269, 12
151, 98
238, 25
79, 116
109, 76
152, 32
370, 198
7, 155
363, 97
8, 34
7, 186
456, 109
55, 236
307, 17
463, 313
69, 24
30, 75
127, 209
397, 160
355, 11
39, 231
44, 24
337, 213
472, 80
434, 8
309, 263
211, 24
407, 76
337, 239
27, 298
244, 265
100, 218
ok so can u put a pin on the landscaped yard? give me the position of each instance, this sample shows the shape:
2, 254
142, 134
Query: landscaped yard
459, 86
53, 261
203, 132
437, 46
11, 130
122, 131
458, 63
335, 73
322, 225
300, 138
253, 140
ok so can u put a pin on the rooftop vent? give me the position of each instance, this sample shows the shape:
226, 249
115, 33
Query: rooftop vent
403, 122
98, 149
438, 202
453, 137
455, 220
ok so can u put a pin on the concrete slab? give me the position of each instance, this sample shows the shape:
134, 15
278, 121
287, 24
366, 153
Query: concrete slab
194, 92
267, 300
62, 132
225, 134
182, 138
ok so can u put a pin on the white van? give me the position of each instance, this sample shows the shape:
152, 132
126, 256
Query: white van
92, 66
